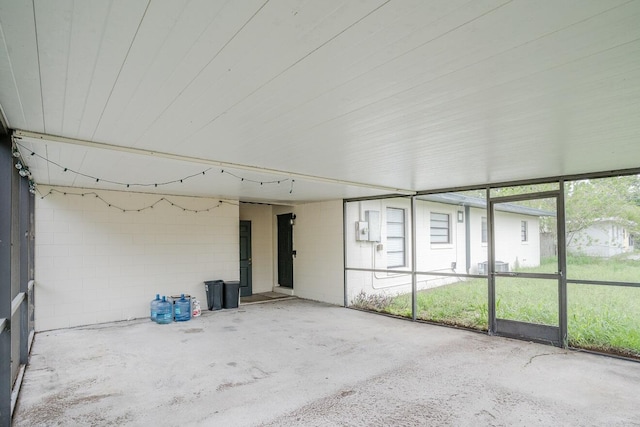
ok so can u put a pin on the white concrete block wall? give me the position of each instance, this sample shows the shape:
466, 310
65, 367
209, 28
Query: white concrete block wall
95, 263
261, 245
318, 239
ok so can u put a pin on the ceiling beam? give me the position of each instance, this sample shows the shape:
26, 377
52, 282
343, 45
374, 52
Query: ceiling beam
209, 162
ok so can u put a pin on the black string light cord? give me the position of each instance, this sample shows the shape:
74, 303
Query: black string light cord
280, 181
156, 184
124, 184
151, 206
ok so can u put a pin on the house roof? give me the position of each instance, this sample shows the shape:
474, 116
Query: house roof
296, 101
477, 202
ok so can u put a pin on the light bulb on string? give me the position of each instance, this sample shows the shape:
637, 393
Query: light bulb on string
156, 184
124, 210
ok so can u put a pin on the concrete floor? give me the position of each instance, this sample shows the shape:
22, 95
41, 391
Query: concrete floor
298, 362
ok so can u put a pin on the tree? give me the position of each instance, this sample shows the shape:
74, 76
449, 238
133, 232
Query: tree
616, 200
587, 202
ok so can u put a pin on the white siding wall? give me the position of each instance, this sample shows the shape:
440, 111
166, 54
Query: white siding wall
509, 245
95, 263
318, 239
439, 256
261, 245
433, 257
365, 254
479, 250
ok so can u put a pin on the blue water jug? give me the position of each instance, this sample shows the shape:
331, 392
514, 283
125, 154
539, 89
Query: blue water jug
164, 314
182, 309
154, 307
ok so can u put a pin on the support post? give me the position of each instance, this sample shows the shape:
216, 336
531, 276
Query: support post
414, 258
23, 236
344, 252
6, 171
467, 239
491, 309
562, 264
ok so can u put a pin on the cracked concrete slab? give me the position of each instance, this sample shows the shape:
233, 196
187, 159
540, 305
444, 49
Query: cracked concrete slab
297, 362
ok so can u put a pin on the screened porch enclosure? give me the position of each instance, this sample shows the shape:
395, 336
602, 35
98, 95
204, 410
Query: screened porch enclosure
553, 262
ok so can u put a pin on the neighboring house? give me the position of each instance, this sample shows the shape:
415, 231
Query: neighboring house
451, 237
606, 237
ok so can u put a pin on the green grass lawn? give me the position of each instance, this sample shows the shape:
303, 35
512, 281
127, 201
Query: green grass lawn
602, 318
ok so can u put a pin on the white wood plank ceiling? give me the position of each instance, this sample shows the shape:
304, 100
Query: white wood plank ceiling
404, 94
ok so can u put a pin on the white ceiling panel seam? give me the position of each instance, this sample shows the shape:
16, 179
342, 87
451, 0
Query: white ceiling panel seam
124, 61
173, 101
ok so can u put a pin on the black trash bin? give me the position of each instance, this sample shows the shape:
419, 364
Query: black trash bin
231, 294
214, 290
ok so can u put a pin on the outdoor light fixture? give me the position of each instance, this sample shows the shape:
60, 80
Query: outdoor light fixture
292, 221
23, 169
460, 216
32, 185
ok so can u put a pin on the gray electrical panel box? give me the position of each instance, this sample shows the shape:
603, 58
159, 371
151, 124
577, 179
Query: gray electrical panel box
373, 219
362, 231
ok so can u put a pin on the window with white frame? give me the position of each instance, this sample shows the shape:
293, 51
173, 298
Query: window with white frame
483, 230
396, 238
524, 231
440, 228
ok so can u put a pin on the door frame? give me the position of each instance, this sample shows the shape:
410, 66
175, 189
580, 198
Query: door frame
556, 335
249, 276
285, 255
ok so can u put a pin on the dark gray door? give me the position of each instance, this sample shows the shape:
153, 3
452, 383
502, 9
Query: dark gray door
285, 250
245, 259
513, 314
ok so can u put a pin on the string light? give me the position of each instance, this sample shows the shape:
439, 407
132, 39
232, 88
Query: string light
252, 180
98, 179
153, 184
150, 206
22, 167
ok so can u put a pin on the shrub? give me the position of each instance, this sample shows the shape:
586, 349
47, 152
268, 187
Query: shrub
375, 302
